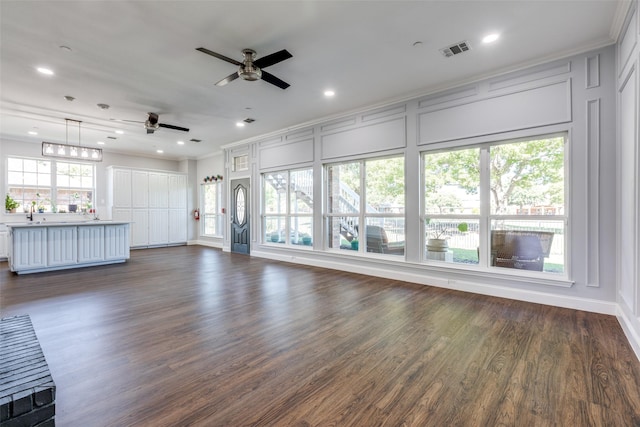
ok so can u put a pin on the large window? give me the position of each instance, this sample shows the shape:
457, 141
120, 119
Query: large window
211, 217
498, 205
287, 207
50, 185
370, 194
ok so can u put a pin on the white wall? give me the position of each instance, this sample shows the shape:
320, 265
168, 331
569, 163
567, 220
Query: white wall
575, 95
627, 260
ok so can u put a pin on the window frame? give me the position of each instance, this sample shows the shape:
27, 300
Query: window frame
287, 216
486, 217
362, 216
217, 215
53, 188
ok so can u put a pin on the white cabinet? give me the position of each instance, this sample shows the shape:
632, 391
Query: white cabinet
158, 190
177, 226
62, 245
177, 192
28, 249
158, 227
121, 188
158, 208
139, 227
140, 189
90, 244
116, 241
56, 247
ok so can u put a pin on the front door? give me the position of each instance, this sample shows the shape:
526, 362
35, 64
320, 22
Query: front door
240, 216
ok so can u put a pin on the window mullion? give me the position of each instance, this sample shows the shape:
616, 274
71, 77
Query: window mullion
485, 205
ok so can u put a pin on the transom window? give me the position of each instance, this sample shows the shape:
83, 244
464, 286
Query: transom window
498, 205
50, 185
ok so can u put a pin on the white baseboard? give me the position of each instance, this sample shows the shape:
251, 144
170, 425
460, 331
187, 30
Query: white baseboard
210, 244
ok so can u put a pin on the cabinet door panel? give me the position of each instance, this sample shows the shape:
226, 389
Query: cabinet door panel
116, 241
158, 190
140, 189
177, 192
178, 225
29, 248
140, 227
90, 243
62, 245
158, 226
121, 188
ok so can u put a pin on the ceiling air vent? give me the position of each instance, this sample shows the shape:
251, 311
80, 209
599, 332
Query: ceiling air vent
455, 49
249, 120
195, 141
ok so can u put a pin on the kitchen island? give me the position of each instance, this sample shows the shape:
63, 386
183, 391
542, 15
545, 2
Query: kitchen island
44, 246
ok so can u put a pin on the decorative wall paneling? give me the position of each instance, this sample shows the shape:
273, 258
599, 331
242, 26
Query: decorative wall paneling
592, 179
545, 104
273, 155
366, 139
592, 71
525, 77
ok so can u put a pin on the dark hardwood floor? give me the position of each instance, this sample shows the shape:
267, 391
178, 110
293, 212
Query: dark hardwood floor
192, 336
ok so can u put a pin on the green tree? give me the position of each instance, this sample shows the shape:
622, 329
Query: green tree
520, 173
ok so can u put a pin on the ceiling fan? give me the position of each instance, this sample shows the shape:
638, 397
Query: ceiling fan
251, 68
151, 124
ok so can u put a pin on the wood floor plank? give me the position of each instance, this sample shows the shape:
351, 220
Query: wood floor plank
191, 336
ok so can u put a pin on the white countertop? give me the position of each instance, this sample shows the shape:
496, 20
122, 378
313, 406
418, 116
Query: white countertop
63, 223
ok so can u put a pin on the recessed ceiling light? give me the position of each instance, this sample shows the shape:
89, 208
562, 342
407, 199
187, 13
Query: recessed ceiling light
45, 70
491, 38
103, 106
240, 124
66, 48
329, 93
120, 132
69, 98
159, 151
180, 142
32, 132
100, 142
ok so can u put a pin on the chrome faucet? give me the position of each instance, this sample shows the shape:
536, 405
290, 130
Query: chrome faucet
30, 215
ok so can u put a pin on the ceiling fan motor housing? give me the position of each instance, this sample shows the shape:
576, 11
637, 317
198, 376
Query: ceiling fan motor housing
247, 70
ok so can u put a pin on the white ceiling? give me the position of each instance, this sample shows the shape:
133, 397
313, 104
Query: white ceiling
140, 57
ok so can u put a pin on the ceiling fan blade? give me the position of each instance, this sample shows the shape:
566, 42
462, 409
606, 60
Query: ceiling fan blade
128, 121
217, 55
231, 77
274, 58
162, 125
270, 78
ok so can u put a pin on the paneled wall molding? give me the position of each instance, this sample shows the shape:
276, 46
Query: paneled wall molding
289, 154
300, 134
527, 76
592, 71
525, 108
371, 138
383, 113
448, 97
592, 179
338, 124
